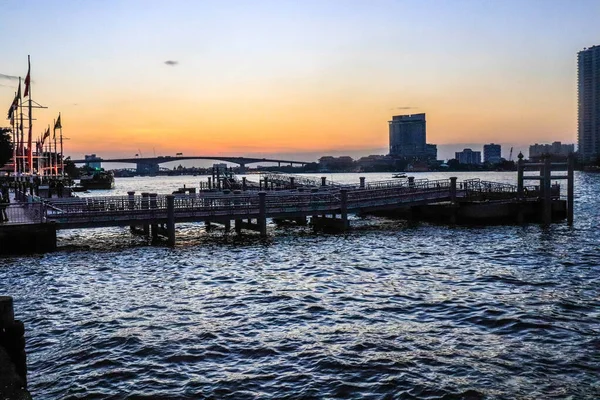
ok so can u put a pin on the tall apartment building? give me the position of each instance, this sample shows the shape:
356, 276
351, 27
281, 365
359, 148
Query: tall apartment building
588, 92
492, 153
408, 137
468, 156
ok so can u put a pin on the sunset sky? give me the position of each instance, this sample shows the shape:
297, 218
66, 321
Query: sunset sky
283, 77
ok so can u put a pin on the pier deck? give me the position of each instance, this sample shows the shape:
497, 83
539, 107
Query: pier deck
325, 204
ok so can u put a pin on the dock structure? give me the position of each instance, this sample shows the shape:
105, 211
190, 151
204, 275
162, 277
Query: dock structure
327, 206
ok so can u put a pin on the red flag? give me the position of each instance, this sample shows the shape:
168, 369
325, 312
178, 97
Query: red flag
15, 103
27, 79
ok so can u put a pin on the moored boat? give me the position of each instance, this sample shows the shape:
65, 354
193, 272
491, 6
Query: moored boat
98, 180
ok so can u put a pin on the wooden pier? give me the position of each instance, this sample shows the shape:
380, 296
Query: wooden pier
327, 206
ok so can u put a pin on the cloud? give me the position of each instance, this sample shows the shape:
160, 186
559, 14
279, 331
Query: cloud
9, 77
171, 63
404, 108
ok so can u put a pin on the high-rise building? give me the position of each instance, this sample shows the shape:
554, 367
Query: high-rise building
468, 156
408, 137
588, 85
492, 153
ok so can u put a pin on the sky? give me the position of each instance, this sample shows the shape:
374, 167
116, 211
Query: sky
296, 78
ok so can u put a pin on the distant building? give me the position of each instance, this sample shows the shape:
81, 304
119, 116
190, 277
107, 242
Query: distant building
468, 156
555, 150
492, 153
588, 91
92, 161
336, 163
408, 137
221, 167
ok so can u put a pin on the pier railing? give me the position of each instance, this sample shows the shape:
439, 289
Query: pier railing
24, 213
247, 204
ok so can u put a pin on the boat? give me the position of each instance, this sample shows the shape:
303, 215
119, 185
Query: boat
98, 179
399, 175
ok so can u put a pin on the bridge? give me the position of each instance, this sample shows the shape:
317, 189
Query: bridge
150, 165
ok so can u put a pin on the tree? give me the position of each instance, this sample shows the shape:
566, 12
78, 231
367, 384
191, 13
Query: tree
6, 146
71, 169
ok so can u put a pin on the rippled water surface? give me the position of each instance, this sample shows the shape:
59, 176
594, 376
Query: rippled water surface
389, 310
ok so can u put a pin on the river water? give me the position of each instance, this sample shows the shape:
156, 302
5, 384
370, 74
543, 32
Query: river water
388, 310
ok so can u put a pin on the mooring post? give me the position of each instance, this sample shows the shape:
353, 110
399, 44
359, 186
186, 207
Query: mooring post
453, 189
171, 219
547, 191
323, 181
292, 186
344, 208
411, 181
146, 206
12, 340
262, 213
7, 312
570, 188
520, 169
244, 184
362, 182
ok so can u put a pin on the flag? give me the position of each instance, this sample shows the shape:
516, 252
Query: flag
58, 125
46, 134
15, 103
27, 79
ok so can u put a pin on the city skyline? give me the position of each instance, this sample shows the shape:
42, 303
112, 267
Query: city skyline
289, 79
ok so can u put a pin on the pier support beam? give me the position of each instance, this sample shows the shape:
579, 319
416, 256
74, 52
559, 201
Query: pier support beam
153, 206
520, 169
344, 208
570, 189
547, 183
131, 206
262, 213
453, 189
171, 219
146, 206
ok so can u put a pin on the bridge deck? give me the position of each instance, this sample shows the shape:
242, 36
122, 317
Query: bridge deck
210, 206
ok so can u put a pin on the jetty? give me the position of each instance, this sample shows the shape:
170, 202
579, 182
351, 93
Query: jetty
326, 206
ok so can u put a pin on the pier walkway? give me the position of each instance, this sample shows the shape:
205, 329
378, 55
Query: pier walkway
327, 205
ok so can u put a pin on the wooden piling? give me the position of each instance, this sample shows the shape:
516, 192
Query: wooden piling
453, 189
570, 188
153, 206
262, 213
171, 219
547, 192
145, 206
323, 181
520, 170
344, 208
362, 182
